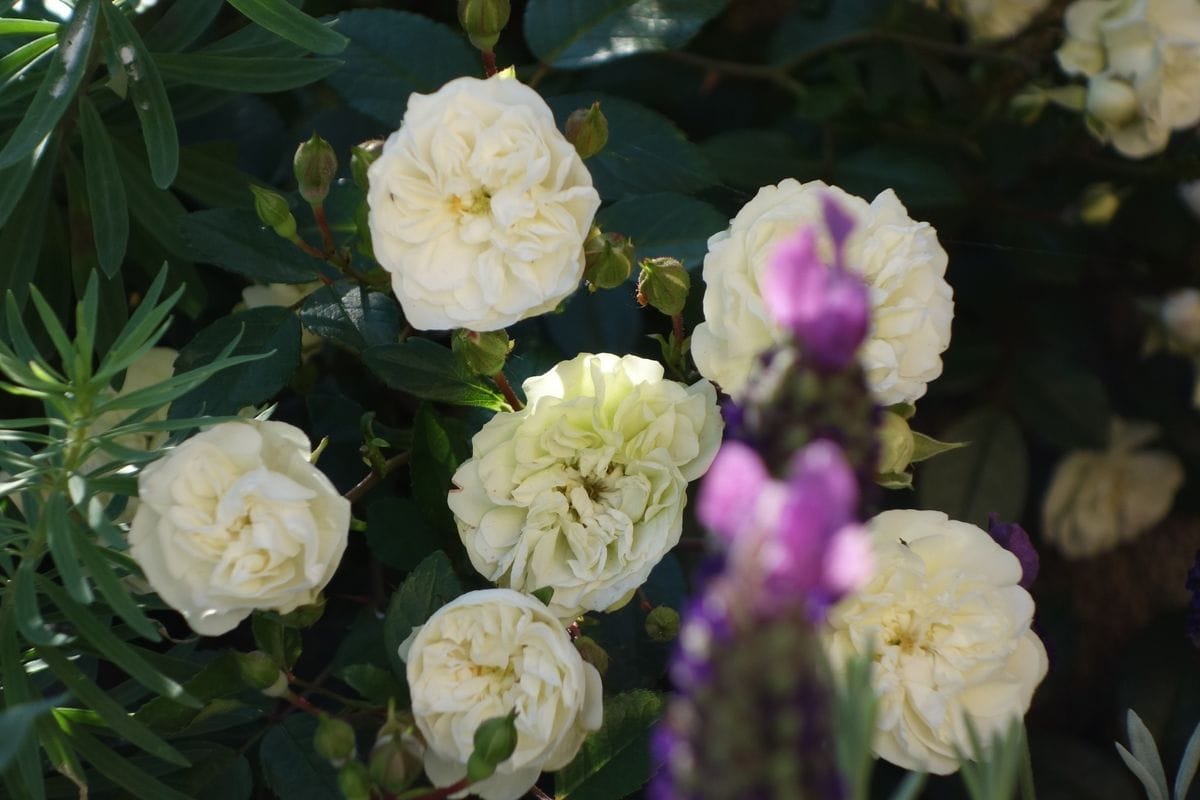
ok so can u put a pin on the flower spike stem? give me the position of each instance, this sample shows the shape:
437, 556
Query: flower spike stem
326, 234
511, 396
489, 63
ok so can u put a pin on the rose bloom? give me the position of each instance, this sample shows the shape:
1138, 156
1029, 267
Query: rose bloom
900, 259
479, 207
1000, 19
236, 519
1180, 314
482, 656
583, 490
950, 628
1099, 499
156, 366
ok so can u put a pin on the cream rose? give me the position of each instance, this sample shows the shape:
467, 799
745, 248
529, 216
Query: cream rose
900, 259
950, 628
1000, 19
236, 519
1099, 499
479, 207
156, 366
484, 655
583, 491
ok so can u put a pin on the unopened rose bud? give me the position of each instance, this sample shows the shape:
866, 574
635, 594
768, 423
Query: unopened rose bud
483, 20
608, 259
896, 444
663, 284
1027, 106
354, 781
334, 740
662, 624
315, 165
483, 353
273, 211
1099, 204
591, 652
362, 156
259, 672
495, 741
1112, 101
395, 763
587, 129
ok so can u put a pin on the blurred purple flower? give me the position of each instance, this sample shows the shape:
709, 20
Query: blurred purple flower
1013, 538
731, 489
839, 223
1193, 586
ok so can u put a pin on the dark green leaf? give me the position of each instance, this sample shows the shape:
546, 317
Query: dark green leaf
27, 611
13, 180
801, 31
920, 179
148, 96
431, 372
207, 173
219, 774
292, 24
394, 53
115, 592
218, 679
106, 190
17, 690
239, 74
433, 464
23, 58
292, 767
61, 541
1063, 402
597, 322
158, 211
21, 237
58, 88
748, 159
645, 151
614, 761
428, 587
262, 330
16, 720
990, 474
398, 533
120, 770
586, 32
235, 240
182, 23
665, 224
372, 683
349, 315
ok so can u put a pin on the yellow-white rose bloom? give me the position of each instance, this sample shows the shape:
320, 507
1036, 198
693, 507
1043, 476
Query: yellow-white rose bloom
952, 638
1000, 19
484, 655
479, 207
1099, 499
900, 259
156, 366
236, 519
583, 490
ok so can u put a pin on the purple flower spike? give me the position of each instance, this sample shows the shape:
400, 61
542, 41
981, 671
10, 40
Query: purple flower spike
839, 223
1193, 586
1013, 538
731, 489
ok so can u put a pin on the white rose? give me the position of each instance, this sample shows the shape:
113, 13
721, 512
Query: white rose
900, 259
1190, 192
584, 489
1180, 313
1099, 499
950, 627
285, 295
1000, 19
156, 366
479, 207
484, 655
236, 519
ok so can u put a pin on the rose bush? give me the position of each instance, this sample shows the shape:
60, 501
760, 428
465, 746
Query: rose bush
482, 656
480, 207
583, 491
236, 519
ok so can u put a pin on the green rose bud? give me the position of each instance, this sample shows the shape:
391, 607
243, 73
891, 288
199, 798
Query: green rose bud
315, 165
609, 259
495, 741
483, 20
591, 652
260, 672
354, 781
1099, 204
273, 210
334, 740
587, 129
362, 156
483, 353
395, 763
664, 284
662, 624
896, 444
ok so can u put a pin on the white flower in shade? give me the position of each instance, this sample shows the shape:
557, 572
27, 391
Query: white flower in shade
583, 490
1099, 499
285, 295
236, 519
156, 366
901, 261
479, 207
1000, 19
1180, 312
951, 632
483, 656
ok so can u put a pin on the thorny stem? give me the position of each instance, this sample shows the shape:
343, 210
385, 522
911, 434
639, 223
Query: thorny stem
368, 483
326, 234
506, 388
489, 63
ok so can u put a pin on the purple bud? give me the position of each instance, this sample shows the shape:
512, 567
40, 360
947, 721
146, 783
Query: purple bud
838, 222
1013, 538
731, 489
1193, 586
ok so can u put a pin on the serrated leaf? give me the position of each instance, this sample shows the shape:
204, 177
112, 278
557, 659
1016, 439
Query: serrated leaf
291, 766
218, 773
291, 23
587, 32
665, 224
235, 240
927, 447
244, 74
615, 760
433, 463
349, 315
426, 589
430, 371
394, 53
645, 151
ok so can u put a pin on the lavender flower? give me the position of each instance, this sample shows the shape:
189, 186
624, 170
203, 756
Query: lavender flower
1013, 538
1193, 586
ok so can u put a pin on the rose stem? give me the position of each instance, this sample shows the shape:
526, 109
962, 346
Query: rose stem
444, 792
509, 395
323, 224
489, 63
368, 483
308, 248
677, 326
539, 794
647, 606
302, 703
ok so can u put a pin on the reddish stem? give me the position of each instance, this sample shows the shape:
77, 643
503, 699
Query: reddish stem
507, 389
308, 248
489, 63
644, 601
302, 704
446, 791
368, 483
323, 224
677, 326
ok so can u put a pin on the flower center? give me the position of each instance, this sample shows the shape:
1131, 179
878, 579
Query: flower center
473, 204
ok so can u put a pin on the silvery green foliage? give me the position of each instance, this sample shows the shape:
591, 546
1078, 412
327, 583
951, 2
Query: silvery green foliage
993, 770
1143, 760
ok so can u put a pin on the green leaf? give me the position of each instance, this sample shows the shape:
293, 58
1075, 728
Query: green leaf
398, 533
239, 74
13, 180
114, 590
395, 53
927, 447
220, 773
59, 85
615, 760
432, 466
116, 768
910, 788
291, 766
17, 689
645, 151
1145, 751
348, 315
27, 612
748, 159
801, 32
1063, 402
148, 96
1187, 765
920, 179
182, 23
597, 322
665, 224
284, 19
219, 678
235, 240
22, 236
372, 683
106, 190
431, 372
265, 330
158, 211
990, 475
208, 175
428, 587
61, 542
587, 32
16, 720
11, 27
